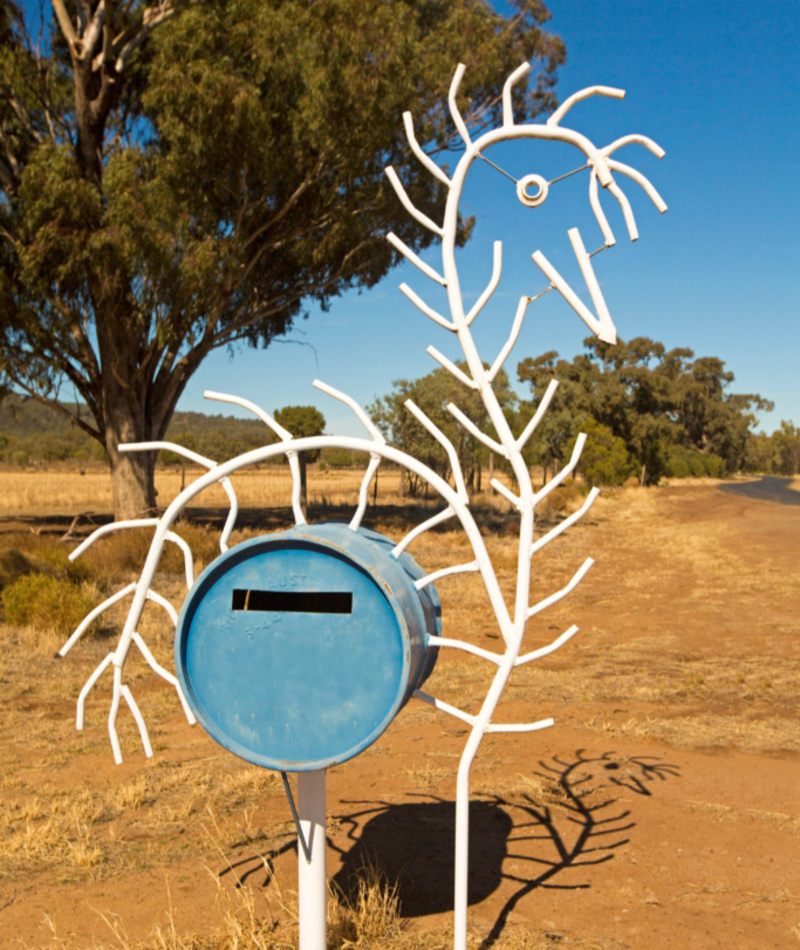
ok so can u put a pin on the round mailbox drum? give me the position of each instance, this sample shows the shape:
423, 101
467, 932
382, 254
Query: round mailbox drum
296, 650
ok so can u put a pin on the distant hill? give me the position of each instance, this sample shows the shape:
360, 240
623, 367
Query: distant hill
30, 432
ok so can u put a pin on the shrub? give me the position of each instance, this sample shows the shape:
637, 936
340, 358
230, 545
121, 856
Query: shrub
46, 602
692, 463
339, 458
605, 459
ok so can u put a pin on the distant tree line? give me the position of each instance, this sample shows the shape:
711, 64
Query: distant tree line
32, 433
648, 412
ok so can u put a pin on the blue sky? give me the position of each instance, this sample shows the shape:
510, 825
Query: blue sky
716, 84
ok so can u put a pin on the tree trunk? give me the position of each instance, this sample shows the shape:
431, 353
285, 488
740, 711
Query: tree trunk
132, 484
132, 473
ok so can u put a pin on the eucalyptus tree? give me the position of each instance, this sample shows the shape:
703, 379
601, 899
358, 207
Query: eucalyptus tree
181, 176
651, 398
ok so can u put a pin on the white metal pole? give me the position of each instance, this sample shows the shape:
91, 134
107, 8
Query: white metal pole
312, 882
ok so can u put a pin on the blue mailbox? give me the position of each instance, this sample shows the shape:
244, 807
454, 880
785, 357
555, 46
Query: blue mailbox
296, 650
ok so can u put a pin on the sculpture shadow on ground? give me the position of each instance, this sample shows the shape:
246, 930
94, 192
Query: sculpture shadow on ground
561, 817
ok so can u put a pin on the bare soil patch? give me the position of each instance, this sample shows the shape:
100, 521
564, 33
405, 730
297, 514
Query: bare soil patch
661, 811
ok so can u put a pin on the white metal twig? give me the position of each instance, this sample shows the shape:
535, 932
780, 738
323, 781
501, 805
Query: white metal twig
565, 471
451, 368
447, 445
362, 417
415, 213
602, 220
640, 180
568, 103
519, 72
442, 706
412, 535
470, 426
415, 259
420, 304
516, 326
505, 492
446, 572
601, 324
164, 674
466, 647
520, 726
363, 495
550, 648
497, 270
559, 594
423, 157
451, 101
541, 409
566, 523
283, 434
93, 615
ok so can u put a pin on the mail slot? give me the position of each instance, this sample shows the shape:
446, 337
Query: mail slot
296, 650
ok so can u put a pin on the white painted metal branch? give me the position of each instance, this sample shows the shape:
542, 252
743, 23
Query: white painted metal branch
566, 523
565, 471
93, 615
164, 674
559, 594
550, 648
640, 180
447, 445
420, 529
466, 647
283, 434
470, 426
109, 529
497, 270
360, 414
520, 727
446, 572
442, 706
451, 367
415, 213
458, 121
600, 324
420, 304
363, 495
609, 91
503, 355
519, 72
541, 409
423, 157
506, 492
415, 259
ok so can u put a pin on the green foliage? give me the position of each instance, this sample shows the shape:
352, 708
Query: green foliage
303, 422
46, 602
786, 449
31, 432
431, 394
687, 462
339, 458
605, 459
652, 399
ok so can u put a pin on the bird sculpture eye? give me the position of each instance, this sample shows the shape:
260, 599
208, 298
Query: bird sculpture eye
532, 190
